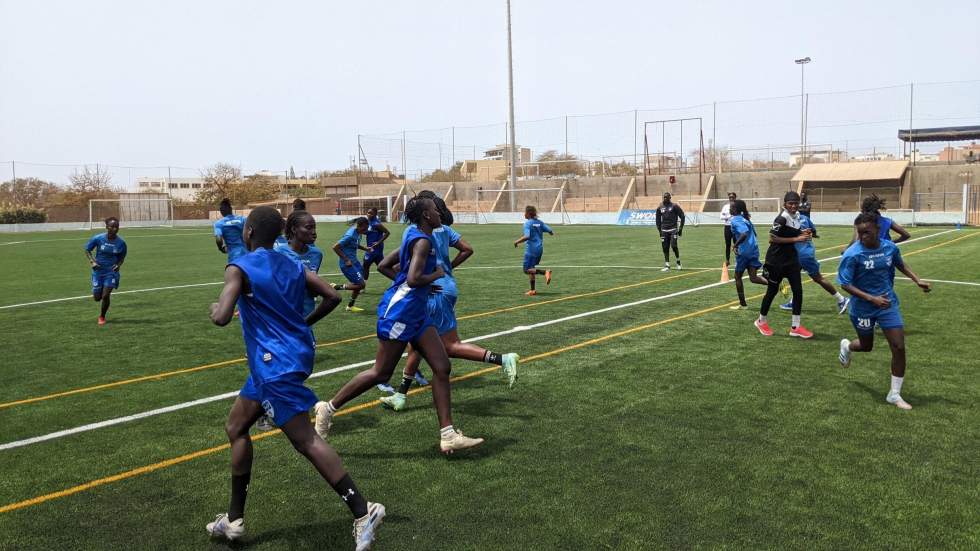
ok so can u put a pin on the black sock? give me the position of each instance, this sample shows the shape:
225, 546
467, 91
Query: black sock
539, 271
351, 303
239, 491
347, 491
532, 284
493, 358
406, 384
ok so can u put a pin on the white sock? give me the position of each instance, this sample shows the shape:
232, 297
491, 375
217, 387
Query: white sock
330, 409
447, 431
762, 319
897, 384
838, 296
796, 321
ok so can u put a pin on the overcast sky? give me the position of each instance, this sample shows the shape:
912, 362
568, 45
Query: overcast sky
274, 84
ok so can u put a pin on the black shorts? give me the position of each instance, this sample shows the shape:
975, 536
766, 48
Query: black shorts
669, 236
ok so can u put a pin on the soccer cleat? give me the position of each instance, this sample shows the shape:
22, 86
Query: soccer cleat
420, 380
785, 290
265, 423
678, 264
801, 332
547, 277
354, 309
395, 402
666, 268
739, 307
786, 306
510, 362
845, 353
456, 441
842, 305
236, 314
896, 399
101, 320
366, 526
324, 419
386, 388
531, 293
222, 527
763, 328
338, 286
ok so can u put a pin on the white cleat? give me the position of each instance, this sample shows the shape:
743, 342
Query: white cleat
842, 305
456, 441
666, 268
223, 528
366, 526
678, 265
895, 399
324, 419
845, 353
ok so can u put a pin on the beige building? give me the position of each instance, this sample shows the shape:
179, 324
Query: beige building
958, 154
178, 189
494, 165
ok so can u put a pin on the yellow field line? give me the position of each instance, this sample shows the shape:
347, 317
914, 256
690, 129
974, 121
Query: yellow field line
367, 405
165, 374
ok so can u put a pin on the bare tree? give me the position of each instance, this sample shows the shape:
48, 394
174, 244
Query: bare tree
89, 184
29, 192
224, 180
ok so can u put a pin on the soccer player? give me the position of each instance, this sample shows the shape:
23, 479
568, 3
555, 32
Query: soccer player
534, 231
228, 232
376, 236
782, 262
298, 204
269, 288
670, 225
726, 218
866, 272
403, 319
441, 308
746, 250
301, 235
346, 250
109, 257
808, 260
805, 205
873, 204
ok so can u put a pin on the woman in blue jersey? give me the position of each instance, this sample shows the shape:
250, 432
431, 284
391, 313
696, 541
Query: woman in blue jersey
346, 250
402, 319
746, 248
109, 257
300, 234
534, 231
228, 232
866, 271
376, 235
873, 204
282, 240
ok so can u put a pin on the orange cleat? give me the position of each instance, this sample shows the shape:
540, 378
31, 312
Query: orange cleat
763, 328
531, 293
547, 277
101, 320
801, 332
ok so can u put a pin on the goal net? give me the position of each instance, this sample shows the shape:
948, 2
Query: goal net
905, 217
708, 211
506, 206
358, 206
132, 211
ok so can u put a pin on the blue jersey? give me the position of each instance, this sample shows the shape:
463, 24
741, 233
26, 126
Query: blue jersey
401, 302
277, 339
743, 226
374, 234
349, 242
806, 249
884, 227
108, 252
311, 259
870, 270
533, 230
230, 230
281, 241
443, 237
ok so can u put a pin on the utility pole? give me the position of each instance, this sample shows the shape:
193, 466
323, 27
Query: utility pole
513, 134
802, 63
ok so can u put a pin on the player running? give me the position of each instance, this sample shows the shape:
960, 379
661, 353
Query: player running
867, 272
782, 262
228, 232
282, 240
109, 257
346, 250
670, 225
533, 239
300, 233
746, 250
726, 218
441, 308
269, 289
403, 319
376, 236
808, 260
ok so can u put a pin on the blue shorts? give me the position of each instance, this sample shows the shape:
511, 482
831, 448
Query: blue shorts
531, 260
353, 273
744, 262
442, 312
104, 278
886, 318
281, 399
374, 257
390, 329
810, 265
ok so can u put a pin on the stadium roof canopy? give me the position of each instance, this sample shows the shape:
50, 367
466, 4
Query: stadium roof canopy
851, 172
947, 134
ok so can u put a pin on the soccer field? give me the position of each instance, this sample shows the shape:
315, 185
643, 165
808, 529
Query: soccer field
646, 415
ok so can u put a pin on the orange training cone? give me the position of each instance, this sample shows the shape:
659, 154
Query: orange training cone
724, 272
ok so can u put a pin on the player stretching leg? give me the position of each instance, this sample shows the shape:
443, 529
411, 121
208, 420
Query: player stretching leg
534, 231
441, 308
376, 236
346, 250
670, 225
109, 257
270, 289
782, 262
810, 264
726, 218
867, 272
402, 319
746, 250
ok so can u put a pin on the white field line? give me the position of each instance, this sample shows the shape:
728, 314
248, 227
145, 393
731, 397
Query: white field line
226, 395
127, 237
970, 283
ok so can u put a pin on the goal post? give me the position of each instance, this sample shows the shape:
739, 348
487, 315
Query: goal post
549, 201
708, 211
132, 211
358, 206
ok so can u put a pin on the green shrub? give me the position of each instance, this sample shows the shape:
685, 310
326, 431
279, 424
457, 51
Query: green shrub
22, 215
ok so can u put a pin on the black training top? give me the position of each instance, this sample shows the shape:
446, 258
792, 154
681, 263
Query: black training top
805, 207
668, 217
783, 255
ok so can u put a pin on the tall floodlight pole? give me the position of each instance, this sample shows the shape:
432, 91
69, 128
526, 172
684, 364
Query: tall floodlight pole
802, 63
513, 134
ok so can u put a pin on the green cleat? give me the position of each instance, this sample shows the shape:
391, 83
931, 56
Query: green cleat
396, 401
510, 367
